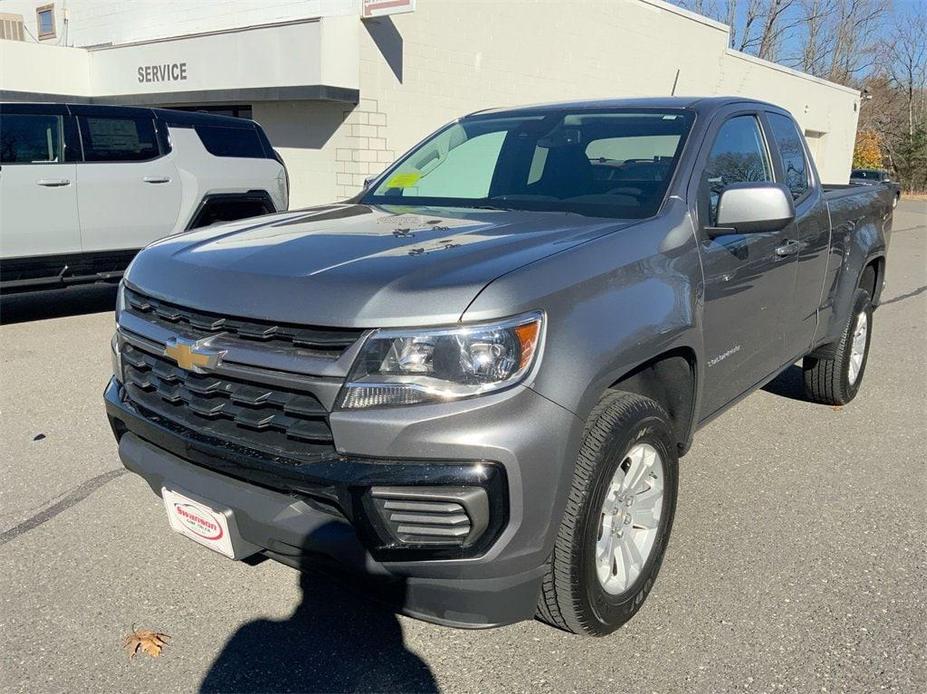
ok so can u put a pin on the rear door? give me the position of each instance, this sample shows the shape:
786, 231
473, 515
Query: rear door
748, 283
130, 190
38, 186
811, 230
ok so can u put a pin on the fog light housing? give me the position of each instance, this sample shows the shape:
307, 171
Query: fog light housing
432, 516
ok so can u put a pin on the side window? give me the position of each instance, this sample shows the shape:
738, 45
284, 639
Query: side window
109, 138
737, 156
793, 154
221, 141
28, 138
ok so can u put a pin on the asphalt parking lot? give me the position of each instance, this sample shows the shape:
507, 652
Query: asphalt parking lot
797, 561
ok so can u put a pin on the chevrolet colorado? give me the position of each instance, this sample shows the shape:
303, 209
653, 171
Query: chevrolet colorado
473, 381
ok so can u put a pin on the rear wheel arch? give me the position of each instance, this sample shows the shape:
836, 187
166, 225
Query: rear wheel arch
670, 380
872, 277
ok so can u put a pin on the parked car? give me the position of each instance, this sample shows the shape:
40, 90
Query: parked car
876, 176
83, 188
474, 381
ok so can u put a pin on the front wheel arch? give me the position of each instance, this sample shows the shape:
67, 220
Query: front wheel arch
670, 380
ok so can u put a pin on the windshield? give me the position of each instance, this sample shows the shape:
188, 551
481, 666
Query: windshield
614, 163
868, 175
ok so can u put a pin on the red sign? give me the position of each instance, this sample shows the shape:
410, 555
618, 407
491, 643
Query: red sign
198, 522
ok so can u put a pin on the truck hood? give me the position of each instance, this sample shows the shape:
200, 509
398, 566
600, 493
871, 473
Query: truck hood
354, 265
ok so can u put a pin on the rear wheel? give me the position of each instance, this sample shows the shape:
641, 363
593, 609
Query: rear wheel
611, 541
835, 380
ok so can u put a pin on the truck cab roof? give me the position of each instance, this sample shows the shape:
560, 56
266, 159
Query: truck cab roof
697, 103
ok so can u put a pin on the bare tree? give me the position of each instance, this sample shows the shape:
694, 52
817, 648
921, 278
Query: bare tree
835, 39
907, 66
855, 27
776, 25
817, 40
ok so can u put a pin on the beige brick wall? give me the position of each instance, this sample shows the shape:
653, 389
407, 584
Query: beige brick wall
363, 149
309, 135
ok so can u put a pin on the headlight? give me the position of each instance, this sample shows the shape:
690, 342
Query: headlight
408, 367
120, 299
116, 357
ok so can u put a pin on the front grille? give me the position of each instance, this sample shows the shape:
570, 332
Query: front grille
329, 342
268, 419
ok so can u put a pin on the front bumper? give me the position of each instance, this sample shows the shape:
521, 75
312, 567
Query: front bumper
313, 515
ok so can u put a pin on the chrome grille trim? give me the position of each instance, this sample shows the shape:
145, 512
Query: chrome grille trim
325, 388
327, 343
263, 417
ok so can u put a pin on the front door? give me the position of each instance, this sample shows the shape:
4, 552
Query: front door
748, 282
129, 188
38, 188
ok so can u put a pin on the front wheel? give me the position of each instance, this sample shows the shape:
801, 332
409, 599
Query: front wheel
617, 522
836, 380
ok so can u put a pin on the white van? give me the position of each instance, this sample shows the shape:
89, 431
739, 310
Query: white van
84, 187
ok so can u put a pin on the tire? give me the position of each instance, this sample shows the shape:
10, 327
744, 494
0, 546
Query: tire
833, 380
573, 597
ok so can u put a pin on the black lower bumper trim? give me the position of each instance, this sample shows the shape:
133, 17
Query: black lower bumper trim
292, 531
339, 484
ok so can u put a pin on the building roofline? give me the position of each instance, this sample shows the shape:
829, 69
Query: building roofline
789, 71
195, 35
688, 14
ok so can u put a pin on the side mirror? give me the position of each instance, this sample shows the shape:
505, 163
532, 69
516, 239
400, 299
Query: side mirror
368, 181
749, 208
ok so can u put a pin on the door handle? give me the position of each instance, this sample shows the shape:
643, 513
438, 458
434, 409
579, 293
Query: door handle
54, 182
156, 179
787, 249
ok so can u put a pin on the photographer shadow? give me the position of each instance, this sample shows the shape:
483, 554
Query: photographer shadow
335, 641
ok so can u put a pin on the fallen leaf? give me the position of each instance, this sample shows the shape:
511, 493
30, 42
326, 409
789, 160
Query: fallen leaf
38, 437
151, 642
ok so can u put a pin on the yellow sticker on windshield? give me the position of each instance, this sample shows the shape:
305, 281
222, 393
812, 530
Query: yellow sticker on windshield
404, 180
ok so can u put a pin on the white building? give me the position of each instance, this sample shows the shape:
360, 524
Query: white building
340, 94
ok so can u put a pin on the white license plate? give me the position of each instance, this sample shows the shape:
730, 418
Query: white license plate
199, 522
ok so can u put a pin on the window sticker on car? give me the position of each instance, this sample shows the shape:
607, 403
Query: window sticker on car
404, 180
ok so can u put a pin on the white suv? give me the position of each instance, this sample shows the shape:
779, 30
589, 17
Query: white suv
84, 187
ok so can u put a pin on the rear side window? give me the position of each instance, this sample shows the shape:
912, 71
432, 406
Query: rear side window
221, 141
118, 138
793, 154
737, 156
30, 138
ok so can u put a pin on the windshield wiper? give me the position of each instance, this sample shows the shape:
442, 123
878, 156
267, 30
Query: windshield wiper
493, 207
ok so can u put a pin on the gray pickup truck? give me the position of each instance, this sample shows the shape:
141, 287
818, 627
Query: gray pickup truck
471, 385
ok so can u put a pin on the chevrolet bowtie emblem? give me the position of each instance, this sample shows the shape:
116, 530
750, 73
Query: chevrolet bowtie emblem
192, 356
